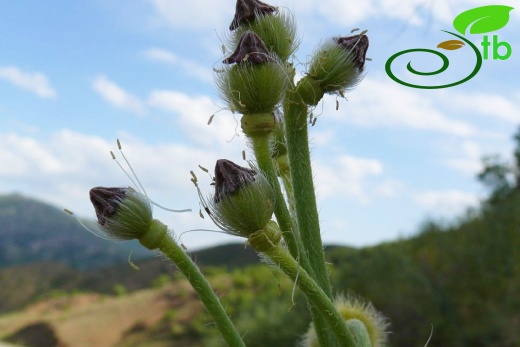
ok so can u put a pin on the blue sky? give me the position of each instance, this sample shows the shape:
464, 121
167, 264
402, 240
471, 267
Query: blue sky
77, 75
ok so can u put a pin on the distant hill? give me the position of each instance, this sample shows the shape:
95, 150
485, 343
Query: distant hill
42, 249
32, 231
462, 279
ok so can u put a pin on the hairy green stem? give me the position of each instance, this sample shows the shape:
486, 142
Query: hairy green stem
286, 179
314, 294
208, 297
303, 187
295, 112
262, 149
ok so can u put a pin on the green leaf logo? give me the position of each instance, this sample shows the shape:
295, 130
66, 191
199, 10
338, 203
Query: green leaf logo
483, 19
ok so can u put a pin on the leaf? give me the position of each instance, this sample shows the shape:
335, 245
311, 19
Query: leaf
482, 19
451, 45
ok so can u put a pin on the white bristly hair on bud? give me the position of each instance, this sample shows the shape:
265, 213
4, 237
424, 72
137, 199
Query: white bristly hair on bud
139, 185
91, 226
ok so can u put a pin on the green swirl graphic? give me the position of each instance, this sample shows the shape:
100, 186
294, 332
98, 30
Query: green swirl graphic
445, 64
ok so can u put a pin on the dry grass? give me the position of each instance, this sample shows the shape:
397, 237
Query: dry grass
94, 320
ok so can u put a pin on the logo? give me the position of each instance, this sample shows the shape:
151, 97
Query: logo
479, 20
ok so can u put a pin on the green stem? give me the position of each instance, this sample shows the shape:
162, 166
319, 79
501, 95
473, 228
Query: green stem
315, 295
261, 147
295, 112
286, 179
208, 297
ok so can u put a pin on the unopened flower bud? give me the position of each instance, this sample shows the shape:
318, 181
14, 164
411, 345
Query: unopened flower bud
357, 46
277, 31
244, 200
230, 177
256, 82
338, 65
125, 214
367, 325
247, 10
249, 48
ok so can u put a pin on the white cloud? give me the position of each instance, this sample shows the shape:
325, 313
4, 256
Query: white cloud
390, 188
207, 14
468, 159
161, 55
383, 103
188, 66
117, 96
24, 155
62, 169
345, 176
35, 82
194, 114
449, 202
411, 12
492, 105
194, 14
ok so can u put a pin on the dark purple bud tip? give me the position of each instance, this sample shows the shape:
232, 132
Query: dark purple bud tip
357, 45
229, 178
106, 201
247, 10
250, 48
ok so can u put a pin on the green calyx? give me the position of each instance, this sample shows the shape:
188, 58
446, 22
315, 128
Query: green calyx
257, 124
153, 236
334, 68
246, 210
253, 88
277, 31
367, 326
265, 239
310, 90
359, 333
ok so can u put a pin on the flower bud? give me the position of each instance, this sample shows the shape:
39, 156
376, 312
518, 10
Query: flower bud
277, 31
367, 325
249, 48
337, 65
256, 82
357, 46
244, 200
247, 10
124, 214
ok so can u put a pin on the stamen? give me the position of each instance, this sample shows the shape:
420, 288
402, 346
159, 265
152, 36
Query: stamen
130, 167
194, 180
93, 227
138, 184
168, 209
122, 169
131, 263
